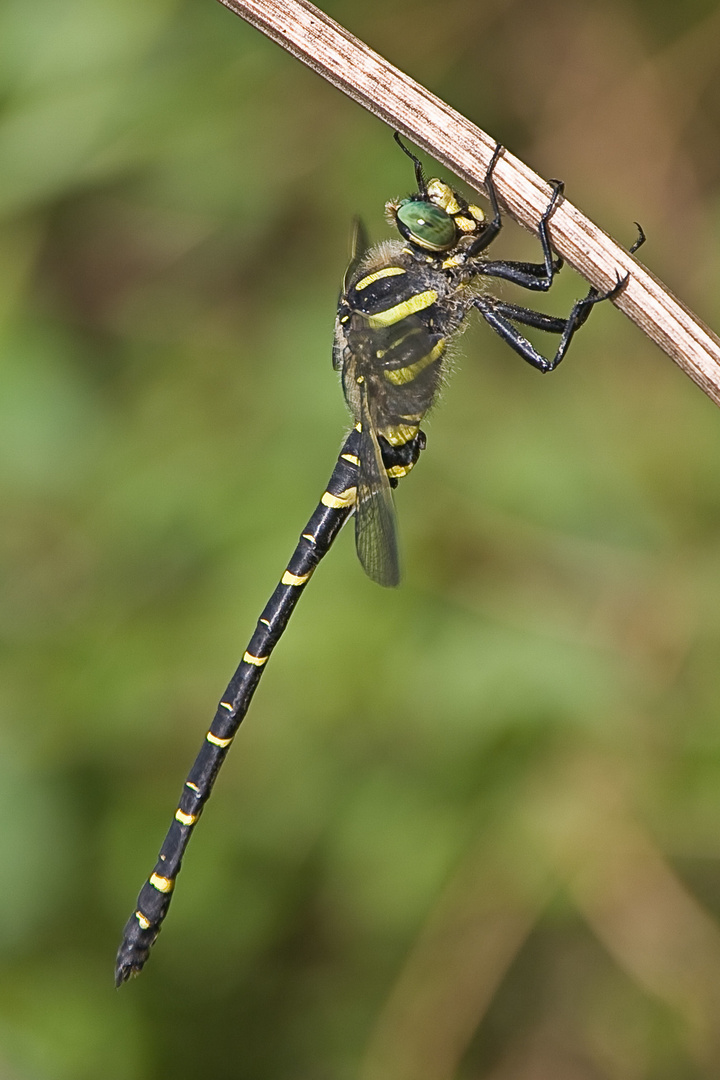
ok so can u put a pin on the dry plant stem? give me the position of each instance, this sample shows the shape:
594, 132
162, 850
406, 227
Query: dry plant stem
451, 139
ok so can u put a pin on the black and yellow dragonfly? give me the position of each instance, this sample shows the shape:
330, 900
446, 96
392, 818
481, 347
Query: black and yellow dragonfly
401, 303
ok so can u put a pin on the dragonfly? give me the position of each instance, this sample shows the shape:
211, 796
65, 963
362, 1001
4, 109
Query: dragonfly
401, 303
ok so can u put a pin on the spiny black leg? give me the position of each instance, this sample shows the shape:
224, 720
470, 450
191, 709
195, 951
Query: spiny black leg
550, 324
641, 238
536, 276
528, 275
496, 222
498, 315
544, 233
491, 230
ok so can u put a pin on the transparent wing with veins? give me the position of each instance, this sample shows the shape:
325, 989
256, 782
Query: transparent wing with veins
375, 523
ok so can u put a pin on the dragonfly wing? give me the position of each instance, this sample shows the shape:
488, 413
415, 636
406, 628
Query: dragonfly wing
375, 524
359, 244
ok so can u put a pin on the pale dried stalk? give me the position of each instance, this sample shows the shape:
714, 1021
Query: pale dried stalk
451, 139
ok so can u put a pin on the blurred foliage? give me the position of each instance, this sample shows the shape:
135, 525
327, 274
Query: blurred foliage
471, 828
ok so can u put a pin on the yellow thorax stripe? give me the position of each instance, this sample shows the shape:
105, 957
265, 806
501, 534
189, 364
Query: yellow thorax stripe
400, 376
388, 271
400, 311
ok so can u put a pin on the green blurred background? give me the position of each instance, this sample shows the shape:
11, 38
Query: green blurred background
471, 828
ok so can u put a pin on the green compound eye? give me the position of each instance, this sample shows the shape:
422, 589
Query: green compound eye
426, 224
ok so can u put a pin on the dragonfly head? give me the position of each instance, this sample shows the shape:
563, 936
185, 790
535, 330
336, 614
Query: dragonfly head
436, 218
